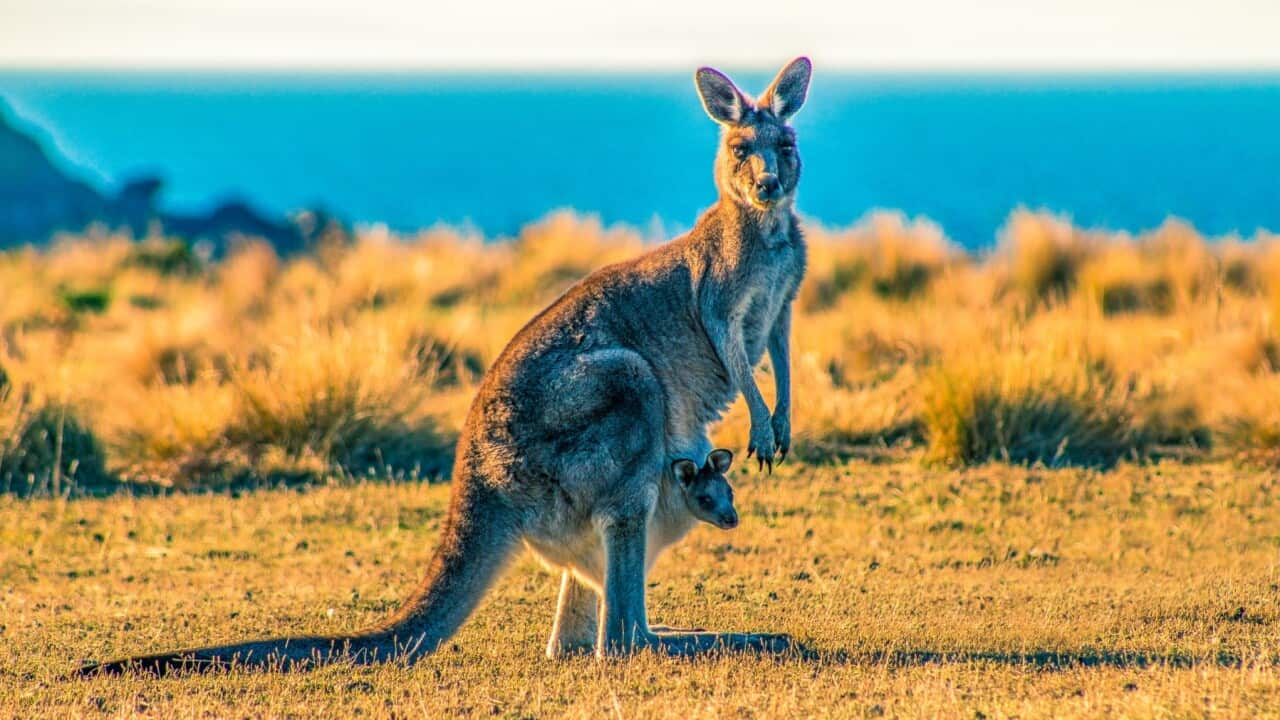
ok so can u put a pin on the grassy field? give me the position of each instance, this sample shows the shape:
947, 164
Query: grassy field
988, 592
1035, 482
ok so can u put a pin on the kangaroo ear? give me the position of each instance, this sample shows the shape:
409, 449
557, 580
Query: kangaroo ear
720, 460
788, 91
685, 471
723, 101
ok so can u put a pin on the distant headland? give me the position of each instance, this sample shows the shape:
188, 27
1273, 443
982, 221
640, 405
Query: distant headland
39, 200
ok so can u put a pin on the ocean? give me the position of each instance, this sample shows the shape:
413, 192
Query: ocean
497, 151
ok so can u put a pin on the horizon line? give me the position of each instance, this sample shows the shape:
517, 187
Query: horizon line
1065, 69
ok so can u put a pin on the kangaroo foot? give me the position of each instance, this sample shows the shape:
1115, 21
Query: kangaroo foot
559, 650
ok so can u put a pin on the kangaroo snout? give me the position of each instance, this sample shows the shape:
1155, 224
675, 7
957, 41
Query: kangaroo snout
767, 187
729, 520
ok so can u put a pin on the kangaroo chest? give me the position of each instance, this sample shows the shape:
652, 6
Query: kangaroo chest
768, 284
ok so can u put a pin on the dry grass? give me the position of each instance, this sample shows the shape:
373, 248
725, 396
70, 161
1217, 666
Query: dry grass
1064, 346
1144, 591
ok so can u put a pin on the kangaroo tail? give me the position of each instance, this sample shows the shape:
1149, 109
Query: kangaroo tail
479, 537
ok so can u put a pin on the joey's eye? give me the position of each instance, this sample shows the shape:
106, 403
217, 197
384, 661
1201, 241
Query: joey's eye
705, 501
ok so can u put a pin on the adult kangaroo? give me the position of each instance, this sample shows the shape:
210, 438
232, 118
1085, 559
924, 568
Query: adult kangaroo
568, 445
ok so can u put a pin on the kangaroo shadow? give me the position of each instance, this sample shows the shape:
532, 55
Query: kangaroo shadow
786, 649
1045, 660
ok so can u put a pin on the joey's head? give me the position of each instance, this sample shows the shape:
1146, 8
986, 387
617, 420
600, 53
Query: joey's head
757, 165
706, 490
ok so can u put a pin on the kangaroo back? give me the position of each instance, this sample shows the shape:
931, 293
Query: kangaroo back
480, 535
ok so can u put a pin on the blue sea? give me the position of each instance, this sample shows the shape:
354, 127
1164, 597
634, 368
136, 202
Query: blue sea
496, 151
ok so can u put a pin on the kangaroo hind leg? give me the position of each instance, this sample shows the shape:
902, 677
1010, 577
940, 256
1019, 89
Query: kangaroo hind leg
624, 627
577, 622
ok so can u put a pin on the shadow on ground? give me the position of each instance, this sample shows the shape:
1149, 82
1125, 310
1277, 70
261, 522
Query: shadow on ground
1035, 659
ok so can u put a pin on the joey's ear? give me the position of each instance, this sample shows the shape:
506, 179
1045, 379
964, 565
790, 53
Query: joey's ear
685, 471
788, 91
720, 460
723, 101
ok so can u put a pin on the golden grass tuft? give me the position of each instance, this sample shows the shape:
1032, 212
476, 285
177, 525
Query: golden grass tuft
886, 254
348, 397
1249, 423
1026, 405
1041, 255
1160, 272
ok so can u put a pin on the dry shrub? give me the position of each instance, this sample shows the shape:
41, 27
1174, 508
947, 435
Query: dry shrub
45, 447
835, 423
885, 253
1248, 423
165, 256
1254, 349
348, 397
1240, 267
1041, 254
93, 258
1168, 269
1184, 257
244, 279
1026, 405
343, 401
550, 255
176, 436
1121, 279
171, 348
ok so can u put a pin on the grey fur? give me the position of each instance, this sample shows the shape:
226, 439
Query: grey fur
568, 444
707, 494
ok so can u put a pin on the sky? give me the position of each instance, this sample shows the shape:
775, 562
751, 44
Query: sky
638, 35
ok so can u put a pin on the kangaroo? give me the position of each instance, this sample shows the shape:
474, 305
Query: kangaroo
708, 496
566, 447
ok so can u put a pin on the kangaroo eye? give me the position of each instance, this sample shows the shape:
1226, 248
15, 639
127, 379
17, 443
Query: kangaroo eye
740, 151
787, 148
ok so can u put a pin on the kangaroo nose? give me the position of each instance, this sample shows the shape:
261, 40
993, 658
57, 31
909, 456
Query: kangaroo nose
730, 522
767, 186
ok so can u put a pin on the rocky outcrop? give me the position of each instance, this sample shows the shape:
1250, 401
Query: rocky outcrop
38, 200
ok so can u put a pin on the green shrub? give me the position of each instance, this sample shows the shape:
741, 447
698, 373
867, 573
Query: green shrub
85, 300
